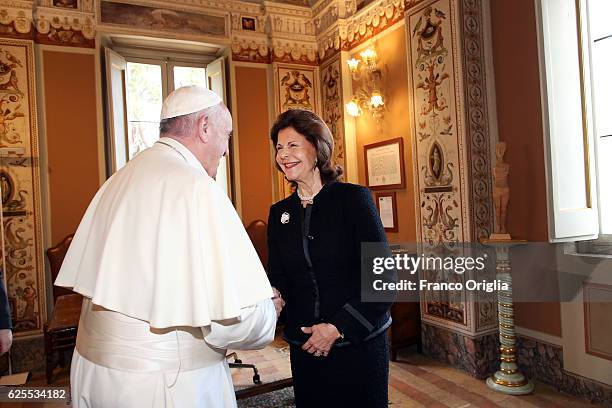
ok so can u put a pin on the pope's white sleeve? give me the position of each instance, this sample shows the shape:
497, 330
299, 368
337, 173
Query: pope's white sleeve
254, 330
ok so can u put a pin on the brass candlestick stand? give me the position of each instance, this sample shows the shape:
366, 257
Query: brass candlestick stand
508, 379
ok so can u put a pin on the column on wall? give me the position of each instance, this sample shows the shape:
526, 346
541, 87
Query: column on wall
20, 172
452, 134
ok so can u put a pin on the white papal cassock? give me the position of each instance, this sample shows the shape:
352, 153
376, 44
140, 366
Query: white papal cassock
171, 280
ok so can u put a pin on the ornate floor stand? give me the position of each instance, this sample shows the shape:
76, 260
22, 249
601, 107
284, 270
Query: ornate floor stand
508, 379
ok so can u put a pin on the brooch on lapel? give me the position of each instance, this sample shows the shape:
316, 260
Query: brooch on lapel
285, 218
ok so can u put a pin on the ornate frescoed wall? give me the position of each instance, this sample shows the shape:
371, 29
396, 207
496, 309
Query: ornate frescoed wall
451, 141
332, 105
20, 183
438, 134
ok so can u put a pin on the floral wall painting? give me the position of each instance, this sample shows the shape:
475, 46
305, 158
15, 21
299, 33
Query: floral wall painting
146, 18
20, 185
442, 211
437, 141
12, 118
332, 112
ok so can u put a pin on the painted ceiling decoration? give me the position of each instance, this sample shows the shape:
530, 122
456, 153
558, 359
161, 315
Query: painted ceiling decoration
292, 31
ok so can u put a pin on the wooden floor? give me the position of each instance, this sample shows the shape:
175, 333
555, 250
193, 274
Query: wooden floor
415, 381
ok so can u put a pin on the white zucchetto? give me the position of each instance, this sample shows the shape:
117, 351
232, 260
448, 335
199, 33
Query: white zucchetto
188, 99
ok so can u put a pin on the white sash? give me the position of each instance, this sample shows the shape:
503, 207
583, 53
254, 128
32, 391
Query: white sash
113, 340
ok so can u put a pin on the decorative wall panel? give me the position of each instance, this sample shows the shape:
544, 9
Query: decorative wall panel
333, 106
477, 119
451, 142
20, 179
439, 146
297, 87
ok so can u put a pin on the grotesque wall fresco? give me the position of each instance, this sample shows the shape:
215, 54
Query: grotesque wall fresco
437, 134
447, 149
20, 184
438, 164
332, 107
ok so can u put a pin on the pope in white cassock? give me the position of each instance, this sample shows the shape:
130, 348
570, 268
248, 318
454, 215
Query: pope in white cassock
169, 276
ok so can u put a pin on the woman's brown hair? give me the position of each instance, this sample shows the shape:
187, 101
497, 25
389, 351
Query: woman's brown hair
314, 129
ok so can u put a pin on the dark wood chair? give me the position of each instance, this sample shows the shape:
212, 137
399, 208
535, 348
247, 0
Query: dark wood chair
258, 232
61, 329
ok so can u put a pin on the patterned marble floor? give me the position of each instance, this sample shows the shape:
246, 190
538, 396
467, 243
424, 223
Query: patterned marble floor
415, 381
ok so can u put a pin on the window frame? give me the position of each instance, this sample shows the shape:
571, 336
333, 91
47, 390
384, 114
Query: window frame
564, 49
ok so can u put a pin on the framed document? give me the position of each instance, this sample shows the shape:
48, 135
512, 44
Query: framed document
384, 164
387, 208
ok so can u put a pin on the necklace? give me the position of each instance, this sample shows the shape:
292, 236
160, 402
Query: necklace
305, 198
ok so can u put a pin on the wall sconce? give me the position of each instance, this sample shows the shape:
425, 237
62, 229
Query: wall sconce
368, 95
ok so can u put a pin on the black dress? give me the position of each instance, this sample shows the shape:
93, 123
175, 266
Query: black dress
315, 262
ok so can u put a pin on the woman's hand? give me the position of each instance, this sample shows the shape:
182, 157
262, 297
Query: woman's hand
279, 303
322, 339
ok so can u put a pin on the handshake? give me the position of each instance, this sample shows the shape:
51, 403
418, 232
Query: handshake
279, 303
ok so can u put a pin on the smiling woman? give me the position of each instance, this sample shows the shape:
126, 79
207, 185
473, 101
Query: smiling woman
339, 350
297, 158
304, 145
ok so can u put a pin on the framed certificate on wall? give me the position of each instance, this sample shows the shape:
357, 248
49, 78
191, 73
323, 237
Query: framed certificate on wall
387, 209
384, 164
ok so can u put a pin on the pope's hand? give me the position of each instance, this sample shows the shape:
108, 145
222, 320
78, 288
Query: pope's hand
6, 339
322, 339
279, 303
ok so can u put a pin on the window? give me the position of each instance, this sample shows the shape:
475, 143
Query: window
148, 83
138, 78
575, 48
